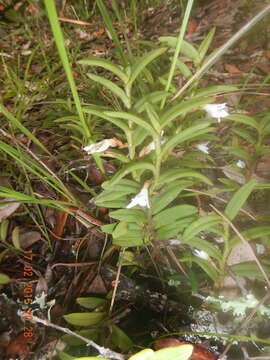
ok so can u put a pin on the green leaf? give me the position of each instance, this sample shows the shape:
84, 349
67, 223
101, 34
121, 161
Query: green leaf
91, 334
249, 269
128, 215
244, 119
132, 118
120, 230
153, 116
173, 174
63, 356
108, 229
203, 223
187, 49
16, 237
185, 135
91, 302
184, 69
85, 319
174, 229
144, 354
120, 339
182, 352
4, 279
129, 241
204, 46
172, 214
205, 265
135, 165
181, 108
105, 64
238, 199
118, 122
115, 89
215, 90
206, 246
142, 63
168, 194
150, 98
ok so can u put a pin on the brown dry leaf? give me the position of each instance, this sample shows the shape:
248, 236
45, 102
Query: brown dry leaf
232, 69
28, 238
263, 167
240, 253
264, 68
8, 209
192, 26
18, 348
97, 286
267, 53
42, 286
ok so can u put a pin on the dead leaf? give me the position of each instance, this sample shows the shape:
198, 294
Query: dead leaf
18, 348
267, 53
97, 286
28, 238
8, 209
264, 68
233, 174
192, 26
232, 69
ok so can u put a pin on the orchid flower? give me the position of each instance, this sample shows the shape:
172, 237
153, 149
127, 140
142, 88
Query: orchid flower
100, 146
140, 199
217, 111
203, 147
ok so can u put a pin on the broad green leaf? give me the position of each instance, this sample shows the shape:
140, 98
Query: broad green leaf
203, 223
116, 204
91, 302
85, 319
90, 358
181, 108
120, 339
4, 224
242, 154
205, 265
105, 64
16, 237
115, 89
133, 166
91, 334
128, 215
144, 354
182, 352
124, 185
204, 46
238, 199
187, 49
172, 214
140, 65
129, 241
108, 228
120, 230
138, 136
118, 122
4, 279
168, 194
132, 118
185, 135
173, 174
113, 195
243, 119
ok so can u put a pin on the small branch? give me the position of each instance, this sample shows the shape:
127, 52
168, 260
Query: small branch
106, 353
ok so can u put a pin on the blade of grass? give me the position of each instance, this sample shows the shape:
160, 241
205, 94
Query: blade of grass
60, 43
178, 48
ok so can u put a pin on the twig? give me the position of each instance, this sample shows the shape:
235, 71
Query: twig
104, 352
117, 280
244, 241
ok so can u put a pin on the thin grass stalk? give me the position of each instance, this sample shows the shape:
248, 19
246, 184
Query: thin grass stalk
178, 48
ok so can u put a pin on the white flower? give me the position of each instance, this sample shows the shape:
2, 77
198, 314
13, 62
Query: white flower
200, 254
260, 249
100, 146
217, 111
241, 164
203, 147
140, 199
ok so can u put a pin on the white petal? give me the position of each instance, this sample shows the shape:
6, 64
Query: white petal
200, 254
203, 148
140, 199
217, 111
100, 146
241, 164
